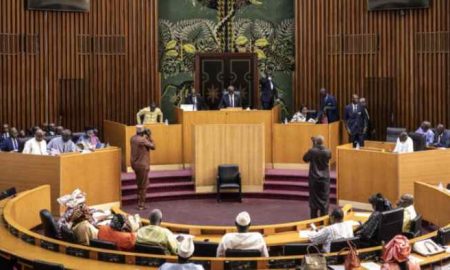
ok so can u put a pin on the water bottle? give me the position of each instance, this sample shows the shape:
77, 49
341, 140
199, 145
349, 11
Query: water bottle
285, 121
166, 122
440, 186
357, 146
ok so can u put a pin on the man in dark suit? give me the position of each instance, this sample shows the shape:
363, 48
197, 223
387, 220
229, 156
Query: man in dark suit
318, 158
441, 137
195, 99
230, 99
328, 107
355, 121
11, 144
5, 133
370, 129
269, 92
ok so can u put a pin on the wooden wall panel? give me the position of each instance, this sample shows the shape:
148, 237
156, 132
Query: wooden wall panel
78, 68
406, 77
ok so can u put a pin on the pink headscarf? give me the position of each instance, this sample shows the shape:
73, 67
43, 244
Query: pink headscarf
397, 250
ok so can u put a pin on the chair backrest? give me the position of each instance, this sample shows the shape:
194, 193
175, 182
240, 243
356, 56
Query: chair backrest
143, 248
8, 193
391, 224
242, 253
392, 133
228, 172
338, 245
416, 225
48, 223
418, 140
205, 249
97, 243
297, 249
68, 235
41, 265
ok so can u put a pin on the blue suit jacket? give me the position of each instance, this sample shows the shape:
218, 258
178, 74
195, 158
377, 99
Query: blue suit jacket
225, 101
355, 121
332, 112
8, 145
445, 140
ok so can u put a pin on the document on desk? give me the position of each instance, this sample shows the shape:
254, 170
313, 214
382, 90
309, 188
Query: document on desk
371, 266
363, 214
305, 233
337, 267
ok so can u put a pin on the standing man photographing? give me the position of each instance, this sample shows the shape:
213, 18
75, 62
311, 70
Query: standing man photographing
141, 144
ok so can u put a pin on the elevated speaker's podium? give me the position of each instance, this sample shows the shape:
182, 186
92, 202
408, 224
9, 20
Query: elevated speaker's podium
374, 168
96, 173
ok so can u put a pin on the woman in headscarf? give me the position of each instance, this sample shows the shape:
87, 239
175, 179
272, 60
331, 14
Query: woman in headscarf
369, 230
82, 228
396, 255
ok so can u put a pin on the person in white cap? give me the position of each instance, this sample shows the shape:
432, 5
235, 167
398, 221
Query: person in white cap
185, 251
243, 239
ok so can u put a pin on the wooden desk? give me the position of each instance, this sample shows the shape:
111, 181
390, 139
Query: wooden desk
292, 141
190, 119
89, 172
432, 203
373, 169
229, 144
167, 139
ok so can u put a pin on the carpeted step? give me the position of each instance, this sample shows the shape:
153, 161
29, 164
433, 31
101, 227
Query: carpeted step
291, 185
160, 187
171, 195
157, 177
291, 194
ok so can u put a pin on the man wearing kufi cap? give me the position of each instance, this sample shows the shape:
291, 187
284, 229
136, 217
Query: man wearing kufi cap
141, 144
185, 251
243, 239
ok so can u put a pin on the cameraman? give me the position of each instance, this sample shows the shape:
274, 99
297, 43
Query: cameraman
141, 144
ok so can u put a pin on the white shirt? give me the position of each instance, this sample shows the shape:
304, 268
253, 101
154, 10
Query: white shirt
330, 233
35, 148
177, 266
404, 147
298, 117
250, 240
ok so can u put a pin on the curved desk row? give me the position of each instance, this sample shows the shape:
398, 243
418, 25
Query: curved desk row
20, 216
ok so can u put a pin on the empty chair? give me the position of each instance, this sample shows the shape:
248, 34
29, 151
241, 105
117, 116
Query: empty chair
97, 243
391, 224
205, 249
340, 244
48, 223
229, 178
419, 141
8, 193
392, 133
416, 227
41, 265
242, 253
297, 249
143, 248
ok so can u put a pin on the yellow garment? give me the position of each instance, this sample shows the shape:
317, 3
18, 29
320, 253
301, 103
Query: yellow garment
149, 116
156, 235
85, 231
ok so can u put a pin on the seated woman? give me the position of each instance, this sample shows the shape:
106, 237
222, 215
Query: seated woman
407, 202
118, 232
369, 230
89, 141
338, 230
396, 255
302, 116
82, 228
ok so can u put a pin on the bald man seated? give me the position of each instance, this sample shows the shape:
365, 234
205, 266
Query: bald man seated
36, 145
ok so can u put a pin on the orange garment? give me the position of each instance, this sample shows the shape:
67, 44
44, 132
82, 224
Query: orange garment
124, 240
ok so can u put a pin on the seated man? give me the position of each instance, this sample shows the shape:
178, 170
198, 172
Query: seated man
151, 115
243, 239
404, 144
407, 202
196, 100
441, 137
302, 116
369, 230
185, 251
338, 230
425, 130
5, 134
119, 233
62, 144
36, 145
11, 144
230, 99
156, 235
89, 140
82, 228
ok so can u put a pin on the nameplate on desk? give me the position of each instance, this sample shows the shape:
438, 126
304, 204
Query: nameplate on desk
28, 239
284, 264
13, 231
152, 262
242, 265
109, 257
77, 252
50, 246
